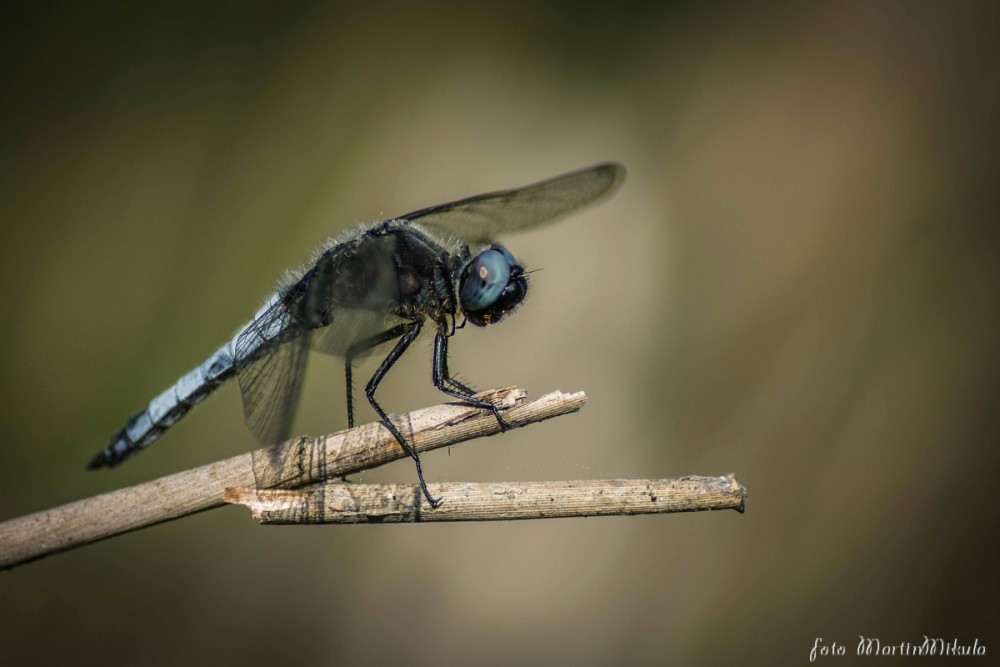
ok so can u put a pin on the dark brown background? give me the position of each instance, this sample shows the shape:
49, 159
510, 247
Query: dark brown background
796, 284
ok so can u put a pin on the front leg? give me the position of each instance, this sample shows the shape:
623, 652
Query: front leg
452, 387
446, 376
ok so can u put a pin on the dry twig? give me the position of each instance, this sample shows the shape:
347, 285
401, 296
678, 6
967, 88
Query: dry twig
336, 502
253, 477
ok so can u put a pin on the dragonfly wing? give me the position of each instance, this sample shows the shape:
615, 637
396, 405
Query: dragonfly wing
270, 359
350, 326
485, 216
355, 287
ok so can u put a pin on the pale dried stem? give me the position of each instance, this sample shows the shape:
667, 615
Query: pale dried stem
337, 502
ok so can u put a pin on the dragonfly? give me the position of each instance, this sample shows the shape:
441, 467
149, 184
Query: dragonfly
376, 284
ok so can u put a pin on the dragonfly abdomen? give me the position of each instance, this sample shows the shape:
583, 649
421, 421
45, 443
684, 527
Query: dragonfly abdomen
145, 426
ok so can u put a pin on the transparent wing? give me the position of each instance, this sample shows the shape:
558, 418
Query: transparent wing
484, 216
270, 359
350, 326
351, 291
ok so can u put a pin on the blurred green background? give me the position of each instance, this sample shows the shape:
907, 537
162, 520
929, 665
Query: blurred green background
797, 284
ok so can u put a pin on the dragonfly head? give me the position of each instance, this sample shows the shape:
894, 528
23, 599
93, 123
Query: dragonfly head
493, 284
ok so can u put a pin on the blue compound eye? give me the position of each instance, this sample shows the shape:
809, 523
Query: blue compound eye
485, 279
506, 253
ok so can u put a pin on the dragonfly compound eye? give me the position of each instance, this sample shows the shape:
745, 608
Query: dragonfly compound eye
485, 279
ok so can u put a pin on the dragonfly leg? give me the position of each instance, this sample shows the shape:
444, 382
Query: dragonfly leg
348, 376
452, 387
360, 347
406, 333
446, 376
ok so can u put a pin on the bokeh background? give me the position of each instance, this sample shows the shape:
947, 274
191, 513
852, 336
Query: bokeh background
797, 284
